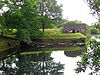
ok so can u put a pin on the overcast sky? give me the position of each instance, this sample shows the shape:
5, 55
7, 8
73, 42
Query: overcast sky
77, 10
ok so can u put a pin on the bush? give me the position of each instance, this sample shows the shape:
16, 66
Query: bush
88, 31
61, 29
94, 31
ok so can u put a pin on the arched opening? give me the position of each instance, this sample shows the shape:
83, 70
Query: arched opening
77, 31
72, 31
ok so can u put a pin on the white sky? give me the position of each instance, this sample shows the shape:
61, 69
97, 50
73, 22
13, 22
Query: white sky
77, 10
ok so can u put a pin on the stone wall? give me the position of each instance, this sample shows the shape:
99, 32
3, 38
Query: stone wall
74, 28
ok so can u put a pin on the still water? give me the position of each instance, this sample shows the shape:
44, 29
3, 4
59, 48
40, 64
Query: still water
41, 63
70, 63
37, 62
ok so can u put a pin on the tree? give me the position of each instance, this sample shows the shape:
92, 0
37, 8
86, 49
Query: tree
27, 24
94, 30
95, 7
97, 25
91, 58
1, 25
50, 12
17, 17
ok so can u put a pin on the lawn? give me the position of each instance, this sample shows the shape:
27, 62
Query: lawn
64, 36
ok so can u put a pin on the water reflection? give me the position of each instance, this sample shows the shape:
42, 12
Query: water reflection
75, 53
70, 63
41, 60
31, 64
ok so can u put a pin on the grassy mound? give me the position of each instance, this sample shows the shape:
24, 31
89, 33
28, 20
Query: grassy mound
63, 36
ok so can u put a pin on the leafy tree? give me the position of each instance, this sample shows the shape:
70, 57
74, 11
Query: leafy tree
18, 18
94, 31
91, 58
88, 31
50, 12
95, 7
44, 12
97, 25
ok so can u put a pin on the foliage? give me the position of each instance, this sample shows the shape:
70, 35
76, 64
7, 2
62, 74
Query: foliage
18, 18
94, 31
40, 12
96, 28
50, 13
97, 25
90, 59
88, 31
95, 7
35, 64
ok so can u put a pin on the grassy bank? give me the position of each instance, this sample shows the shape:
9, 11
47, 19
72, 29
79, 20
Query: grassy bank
58, 34
49, 34
3, 44
49, 50
64, 36
6, 43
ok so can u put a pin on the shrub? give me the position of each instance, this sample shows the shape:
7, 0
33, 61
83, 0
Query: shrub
94, 31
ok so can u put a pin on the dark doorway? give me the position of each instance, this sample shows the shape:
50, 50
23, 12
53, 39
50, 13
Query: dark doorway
72, 31
77, 31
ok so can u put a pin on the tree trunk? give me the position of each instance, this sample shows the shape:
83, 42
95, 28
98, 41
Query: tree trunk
43, 28
2, 32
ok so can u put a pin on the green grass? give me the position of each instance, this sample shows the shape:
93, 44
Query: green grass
35, 52
52, 34
63, 36
62, 49
7, 35
3, 46
50, 31
4, 43
49, 50
49, 34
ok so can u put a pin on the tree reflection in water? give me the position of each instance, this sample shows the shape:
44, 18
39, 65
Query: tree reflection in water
30, 64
